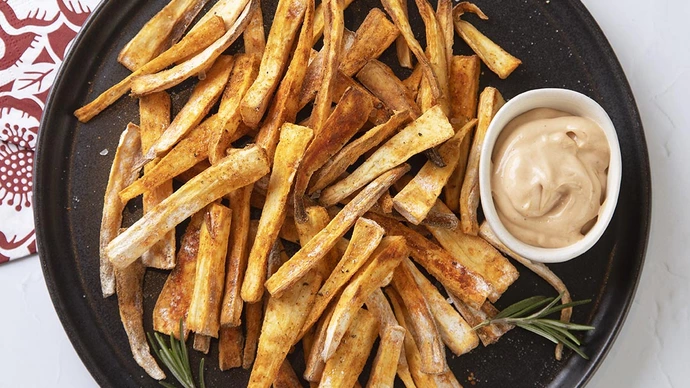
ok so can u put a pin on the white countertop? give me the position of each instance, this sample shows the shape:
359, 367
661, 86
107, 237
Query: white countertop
652, 41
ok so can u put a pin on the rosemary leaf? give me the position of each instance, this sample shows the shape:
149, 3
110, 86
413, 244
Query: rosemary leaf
523, 307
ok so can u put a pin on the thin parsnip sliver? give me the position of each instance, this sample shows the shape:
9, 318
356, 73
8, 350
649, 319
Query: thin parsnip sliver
349, 154
238, 169
386, 86
372, 38
490, 101
243, 232
150, 83
315, 250
386, 362
122, 174
204, 96
402, 50
284, 107
488, 334
373, 275
283, 320
348, 117
418, 197
438, 58
494, 56
230, 345
228, 124
190, 151
314, 361
159, 33
207, 33
289, 153
478, 255
130, 301
176, 295
429, 130
319, 21
465, 283
286, 22
343, 369
422, 325
154, 118
203, 316
444, 15
454, 330
253, 35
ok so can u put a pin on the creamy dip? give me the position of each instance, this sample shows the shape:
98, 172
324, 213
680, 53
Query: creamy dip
548, 178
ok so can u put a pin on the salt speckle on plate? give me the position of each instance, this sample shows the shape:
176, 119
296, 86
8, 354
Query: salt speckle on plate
104, 152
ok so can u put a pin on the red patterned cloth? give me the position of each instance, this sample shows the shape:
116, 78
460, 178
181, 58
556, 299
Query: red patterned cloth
34, 36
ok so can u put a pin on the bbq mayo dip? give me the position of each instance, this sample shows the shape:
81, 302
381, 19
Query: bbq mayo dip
548, 179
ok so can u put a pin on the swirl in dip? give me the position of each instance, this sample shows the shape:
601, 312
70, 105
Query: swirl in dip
548, 178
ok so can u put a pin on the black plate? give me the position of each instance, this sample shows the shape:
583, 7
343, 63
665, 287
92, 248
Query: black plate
560, 45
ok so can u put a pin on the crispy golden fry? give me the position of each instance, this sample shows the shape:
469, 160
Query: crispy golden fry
495, 57
130, 300
289, 229
238, 169
159, 33
319, 21
383, 262
203, 316
253, 316
286, 378
176, 295
349, 154
438, 58
317, 219
284, 107
202, 343
421, 325
385, 85
286, 21
490, 102
343, 369
313, 371
315, 250
242, 233
412, 82
444, 15
185, 155
154, 118
464, 90
538, 268
379, 115
418, 197
230, 345
402, 50
348, 117
254, 37
334, 23
204, 96
386, 361
478, 255
372, 38
289, 153
465, 283
121, 175
429, 130
229, 120
149, 83
488, 334
282, 322
207, 33
386, 202
396, 11
378, 305
455, 332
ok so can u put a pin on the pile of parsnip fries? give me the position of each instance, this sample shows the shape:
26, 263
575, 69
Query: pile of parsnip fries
341, 172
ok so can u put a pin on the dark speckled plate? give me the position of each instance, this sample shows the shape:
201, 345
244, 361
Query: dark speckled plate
560, 46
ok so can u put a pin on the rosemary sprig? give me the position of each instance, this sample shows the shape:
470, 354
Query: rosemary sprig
176, 358
530, 314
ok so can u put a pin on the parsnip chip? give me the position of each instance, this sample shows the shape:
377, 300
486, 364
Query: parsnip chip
230, 345
490, 102
429, 130
372, 38
289, 153
343, 369
444, 15
287, 19
202, 343
438, 59
488, 334
319, 21
379, 115
317, 219
418, 197
253, 35
315, 250
239, 168
385, 85
253, 317
386, 362
313, 370
121, 175
402, 50
373, 275
412, 82
287, 378
465, 283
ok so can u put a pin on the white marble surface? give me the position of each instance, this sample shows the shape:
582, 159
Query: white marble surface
652, 41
